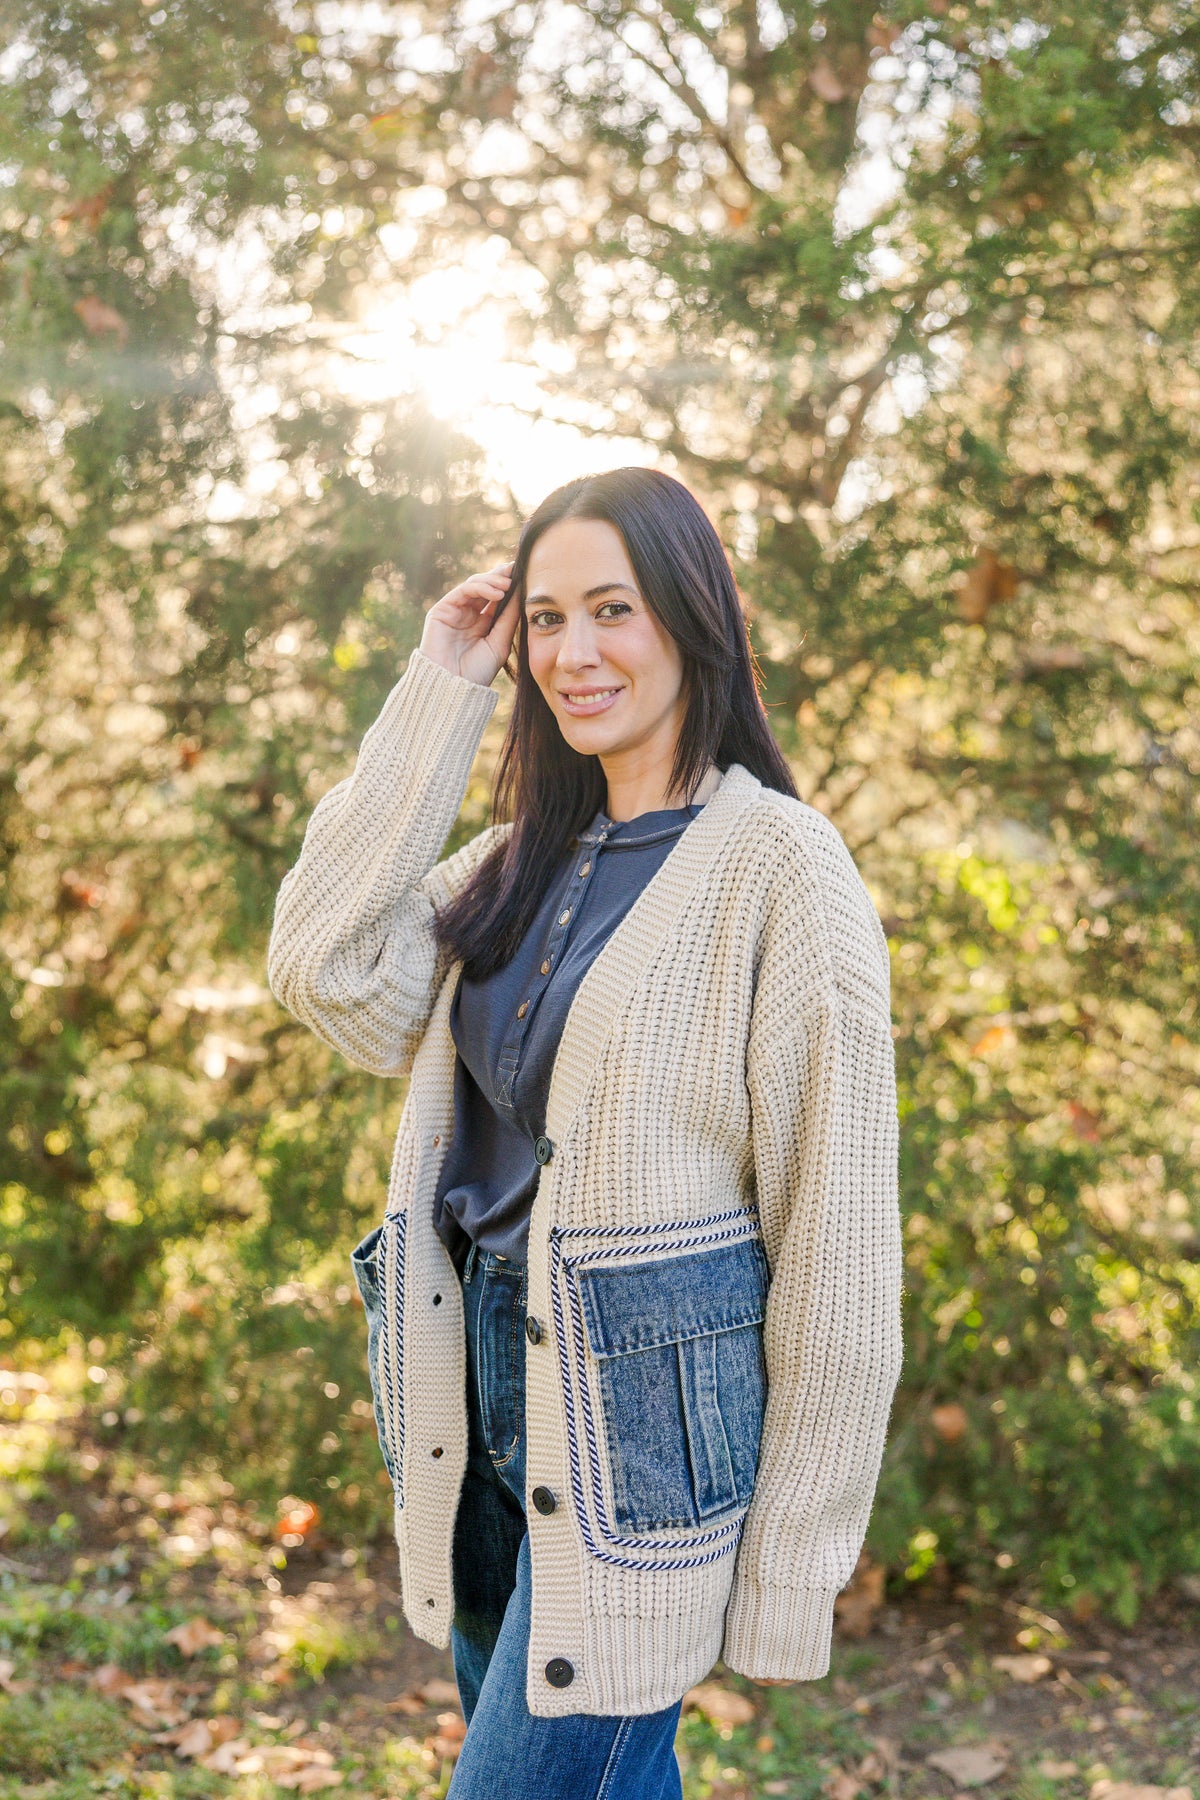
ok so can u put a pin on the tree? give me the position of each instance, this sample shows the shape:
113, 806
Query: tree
904, 295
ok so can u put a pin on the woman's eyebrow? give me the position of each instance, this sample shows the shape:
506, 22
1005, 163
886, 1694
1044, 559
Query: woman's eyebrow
593, 593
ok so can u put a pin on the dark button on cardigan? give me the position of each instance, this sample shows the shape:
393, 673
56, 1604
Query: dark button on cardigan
506, 1030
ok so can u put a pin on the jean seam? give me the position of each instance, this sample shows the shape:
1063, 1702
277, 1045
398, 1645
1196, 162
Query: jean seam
502, 1462
480, 1335
498, 1461
614, 1756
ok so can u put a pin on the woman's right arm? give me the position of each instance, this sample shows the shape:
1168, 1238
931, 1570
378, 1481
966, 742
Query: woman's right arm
352, 951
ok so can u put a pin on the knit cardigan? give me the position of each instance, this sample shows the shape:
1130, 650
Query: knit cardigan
726, 1068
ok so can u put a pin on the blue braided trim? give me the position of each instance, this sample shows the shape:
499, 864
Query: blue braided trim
662, 1226
603, 1542
390, 1265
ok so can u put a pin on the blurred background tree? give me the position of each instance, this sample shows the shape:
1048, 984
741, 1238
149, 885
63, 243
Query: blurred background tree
906, 296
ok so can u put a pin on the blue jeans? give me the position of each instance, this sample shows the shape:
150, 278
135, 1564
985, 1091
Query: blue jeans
508, 1754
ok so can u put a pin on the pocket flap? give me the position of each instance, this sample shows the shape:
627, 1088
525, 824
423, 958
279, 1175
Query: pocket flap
363, 1262
644, 1304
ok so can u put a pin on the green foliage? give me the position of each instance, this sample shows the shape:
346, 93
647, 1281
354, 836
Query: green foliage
906, 295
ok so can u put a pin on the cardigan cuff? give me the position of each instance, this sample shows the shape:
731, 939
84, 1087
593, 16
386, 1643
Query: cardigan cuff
433, 711
777, 1633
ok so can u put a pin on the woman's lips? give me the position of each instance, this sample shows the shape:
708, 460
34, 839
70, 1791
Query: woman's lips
585, 708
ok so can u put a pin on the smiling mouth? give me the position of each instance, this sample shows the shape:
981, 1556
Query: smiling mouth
587, 703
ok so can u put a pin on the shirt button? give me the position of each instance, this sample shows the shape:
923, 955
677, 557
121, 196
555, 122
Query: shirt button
533, 1330
585, 868
564, 916
544, 1500
522, 1009
543, 1149
546, 966
559, 1672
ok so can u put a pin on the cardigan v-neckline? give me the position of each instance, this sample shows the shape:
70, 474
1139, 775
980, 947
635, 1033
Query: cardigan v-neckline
629, 950
617, 967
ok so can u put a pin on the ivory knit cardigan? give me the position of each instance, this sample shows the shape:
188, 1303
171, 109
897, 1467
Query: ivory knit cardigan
726, 1068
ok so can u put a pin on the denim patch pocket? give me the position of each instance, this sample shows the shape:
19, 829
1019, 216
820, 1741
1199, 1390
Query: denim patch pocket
678, 1343
378, 1265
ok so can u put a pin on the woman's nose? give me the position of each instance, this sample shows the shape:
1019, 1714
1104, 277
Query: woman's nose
578, 648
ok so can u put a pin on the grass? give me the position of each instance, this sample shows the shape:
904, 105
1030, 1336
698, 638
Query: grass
60, 1731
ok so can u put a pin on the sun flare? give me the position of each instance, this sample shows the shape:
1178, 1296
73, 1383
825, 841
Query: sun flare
440, 339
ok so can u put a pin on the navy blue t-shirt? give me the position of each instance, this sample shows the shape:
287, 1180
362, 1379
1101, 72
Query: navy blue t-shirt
506, 1030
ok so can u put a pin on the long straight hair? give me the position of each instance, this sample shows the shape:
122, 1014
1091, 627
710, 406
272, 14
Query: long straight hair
550, 791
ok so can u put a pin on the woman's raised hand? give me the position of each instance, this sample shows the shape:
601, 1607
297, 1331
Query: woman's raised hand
462, 632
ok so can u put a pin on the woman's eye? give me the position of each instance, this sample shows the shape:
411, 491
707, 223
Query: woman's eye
620, 606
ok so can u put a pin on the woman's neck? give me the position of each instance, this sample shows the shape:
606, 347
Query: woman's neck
633, 799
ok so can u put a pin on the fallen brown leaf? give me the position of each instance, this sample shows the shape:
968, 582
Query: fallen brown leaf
109, 1679
225, 1758
880, 1762
857, 1605
970, 1764
1057, 1771
194, 1636
720, 1706
839, 1784
1106, 1789
281, 1761
154, 1701
1023, 1668
408, 1704
193, 1739
6, 1678
438, 1692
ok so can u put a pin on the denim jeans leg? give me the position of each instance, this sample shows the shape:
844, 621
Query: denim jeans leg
508, 1754
491, 1518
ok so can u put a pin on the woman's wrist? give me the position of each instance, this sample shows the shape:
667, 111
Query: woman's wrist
439, 659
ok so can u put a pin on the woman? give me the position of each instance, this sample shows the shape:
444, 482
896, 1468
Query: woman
634, 1304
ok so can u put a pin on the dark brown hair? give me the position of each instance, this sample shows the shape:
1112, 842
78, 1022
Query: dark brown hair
551, 791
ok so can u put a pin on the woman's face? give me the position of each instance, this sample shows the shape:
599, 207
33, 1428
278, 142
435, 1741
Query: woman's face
589, 628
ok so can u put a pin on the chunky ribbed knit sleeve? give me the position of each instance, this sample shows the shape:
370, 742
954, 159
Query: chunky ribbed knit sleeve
352, 952
821, 1077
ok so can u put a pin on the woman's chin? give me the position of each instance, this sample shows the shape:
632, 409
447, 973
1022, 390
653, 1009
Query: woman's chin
591, 735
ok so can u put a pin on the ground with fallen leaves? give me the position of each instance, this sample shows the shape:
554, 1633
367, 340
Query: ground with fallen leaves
164, 1643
